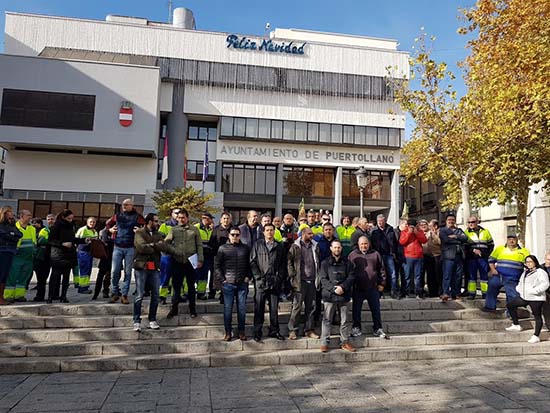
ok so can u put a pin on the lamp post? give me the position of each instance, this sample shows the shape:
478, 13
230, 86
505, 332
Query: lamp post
361, 176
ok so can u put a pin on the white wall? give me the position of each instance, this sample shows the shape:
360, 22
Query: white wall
29, 34
79, 173
291, 106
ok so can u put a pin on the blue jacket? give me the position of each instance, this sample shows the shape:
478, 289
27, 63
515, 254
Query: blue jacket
126, 222
9, 236
324, 246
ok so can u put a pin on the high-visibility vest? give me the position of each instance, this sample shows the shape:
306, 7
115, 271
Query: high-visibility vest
85, 232
481, 240
206, 233
509, 263
27, 242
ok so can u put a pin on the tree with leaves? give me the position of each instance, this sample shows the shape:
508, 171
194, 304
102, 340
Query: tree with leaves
508, 76
187, 197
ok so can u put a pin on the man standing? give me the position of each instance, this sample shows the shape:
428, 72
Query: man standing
412, 238
289, 231
232, 271
303, 266
122, 226
386, 243
370, 280
337, 276
205, 231
42, 259
362, 230
165, 259
148, 244
249, 230
323, 242
344, 233
266, 262
311, 223
480, 245
22, 265
506, 266
184, 242
220, 236
85, 259
453, 240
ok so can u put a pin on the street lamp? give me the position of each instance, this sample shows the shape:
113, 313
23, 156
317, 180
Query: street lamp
361, 174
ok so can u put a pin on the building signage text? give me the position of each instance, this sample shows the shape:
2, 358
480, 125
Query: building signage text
281, 154
265, 45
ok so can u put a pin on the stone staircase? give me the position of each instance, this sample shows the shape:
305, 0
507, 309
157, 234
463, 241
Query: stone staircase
40, 338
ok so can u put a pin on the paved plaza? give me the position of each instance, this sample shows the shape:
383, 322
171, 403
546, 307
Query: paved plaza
520, 384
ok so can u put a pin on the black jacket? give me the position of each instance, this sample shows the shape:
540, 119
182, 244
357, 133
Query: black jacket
61, 256
249, 235
452, 248
267, 266
9, 237
232, 263
384, 240
219, 237
334, 273
369, 269
356, 235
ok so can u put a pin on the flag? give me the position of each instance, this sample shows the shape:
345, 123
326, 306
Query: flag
164, 176
301, 208
205, 164
185, 165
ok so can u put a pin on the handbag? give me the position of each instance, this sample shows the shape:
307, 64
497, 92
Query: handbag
97, 249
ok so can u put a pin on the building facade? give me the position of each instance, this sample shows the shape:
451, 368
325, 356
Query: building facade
292, 115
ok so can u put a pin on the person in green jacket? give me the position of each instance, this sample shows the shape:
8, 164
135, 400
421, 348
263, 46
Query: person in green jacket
85, 259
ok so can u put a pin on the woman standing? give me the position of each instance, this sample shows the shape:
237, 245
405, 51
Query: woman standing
63, 254
532, 288
9, 237
85, 259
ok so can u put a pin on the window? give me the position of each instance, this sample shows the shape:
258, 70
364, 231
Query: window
251, 128
249, 179
195, 169
360, 135
324, 132
227, 126
336, 134
301, 131
264, 130
383, 136
47, 110
348, 134
239, 127
289, 130
201, 131
395, 137
378, 185
371, 136
313, 132
305, 181
277, 129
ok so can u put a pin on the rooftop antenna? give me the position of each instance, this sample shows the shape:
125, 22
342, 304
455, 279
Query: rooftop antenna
170, 10
266, 29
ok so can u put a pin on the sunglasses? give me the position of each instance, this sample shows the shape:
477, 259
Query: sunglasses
234, 235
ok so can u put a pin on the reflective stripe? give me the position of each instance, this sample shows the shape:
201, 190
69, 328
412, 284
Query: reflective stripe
20, 291
201, 287
9, 293
472, 287
84, 281
484, 286
163, 292
29, 236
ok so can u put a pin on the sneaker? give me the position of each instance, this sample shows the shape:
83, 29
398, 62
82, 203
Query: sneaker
153, 325
137, 327
355, 332
379, 333
534, 339
514, 328
292, 335
488, 310
312, 334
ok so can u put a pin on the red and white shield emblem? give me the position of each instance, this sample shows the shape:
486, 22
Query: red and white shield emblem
126, 115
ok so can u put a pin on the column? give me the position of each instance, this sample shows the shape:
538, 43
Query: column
395, 203
177, 135
279, 191
337, 213
218, 176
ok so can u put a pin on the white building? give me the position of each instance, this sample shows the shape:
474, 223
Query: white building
286, 117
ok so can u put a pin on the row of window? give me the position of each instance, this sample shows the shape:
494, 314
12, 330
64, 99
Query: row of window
47, 110
310, 132
301, 181
230, 75
199, 131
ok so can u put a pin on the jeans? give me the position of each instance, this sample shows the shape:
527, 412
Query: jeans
373, 299
345, 323
452, 276
229, 293
119, 255
536, 307
306, 295
391, 273
260, 297
413, 266
144, 277
496, 282
476, 265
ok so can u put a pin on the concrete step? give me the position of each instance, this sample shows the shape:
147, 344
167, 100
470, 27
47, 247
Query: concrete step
210, 306
94, 321
265, 358
157, 346
16, 336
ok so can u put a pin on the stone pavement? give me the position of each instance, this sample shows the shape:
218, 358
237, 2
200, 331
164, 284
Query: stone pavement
513, 384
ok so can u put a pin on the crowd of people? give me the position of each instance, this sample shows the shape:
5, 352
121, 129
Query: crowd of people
321, 268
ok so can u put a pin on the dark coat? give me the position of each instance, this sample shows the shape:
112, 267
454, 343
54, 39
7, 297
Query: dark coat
451, 248
219, 237
125, 223
9, 237
61, 256
267, 266
232, 263
336, 273
148, 247
369, 269
293, 264
356, 235
384, 240
249, 235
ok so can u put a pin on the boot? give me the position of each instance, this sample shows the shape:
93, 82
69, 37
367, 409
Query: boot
2, 301
173, 311
192, 310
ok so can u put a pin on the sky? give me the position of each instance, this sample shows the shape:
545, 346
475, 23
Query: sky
395, 19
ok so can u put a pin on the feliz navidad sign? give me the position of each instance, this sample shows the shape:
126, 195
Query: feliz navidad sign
265, 45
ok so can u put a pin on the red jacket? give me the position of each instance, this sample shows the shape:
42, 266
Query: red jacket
412, 243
